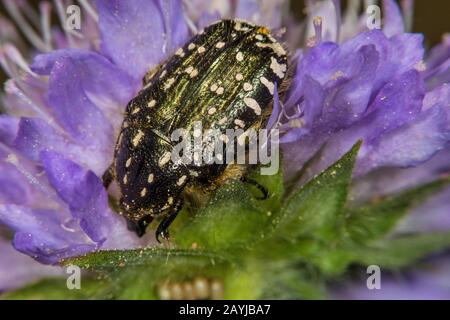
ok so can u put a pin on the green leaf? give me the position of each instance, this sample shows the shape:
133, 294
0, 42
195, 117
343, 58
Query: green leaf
317, 208
149, 257
234, 219
292, 280
135, 274
293, 183
374, 220
402, 251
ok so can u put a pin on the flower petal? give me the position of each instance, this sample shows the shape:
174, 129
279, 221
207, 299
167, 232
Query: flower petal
102, 82
15, 189
70, 104
83, 192
136, 34
36, 135
44, 234
8, 128
411, 144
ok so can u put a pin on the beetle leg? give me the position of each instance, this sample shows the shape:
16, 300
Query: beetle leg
255, 183
163, 227
108, 176
140, 226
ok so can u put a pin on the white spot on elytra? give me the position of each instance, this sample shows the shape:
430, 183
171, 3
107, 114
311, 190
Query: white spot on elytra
239, 56
135, 111
181, 181
269, 85
193, 173
277, 68
247, 86
137, 138
169, 83
150, 178
259, 37
180, 52
253, 104
220, 45
201, 49
151, 103
170, 200
191, 46
163, 74
212, 111
214, 87
128, 163
143, 192
191, 71
219, 90
239, 77
164, 159
239, 122
222, 121
275, 46
125, 179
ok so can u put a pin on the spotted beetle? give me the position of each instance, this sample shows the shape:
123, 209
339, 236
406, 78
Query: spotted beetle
224, 76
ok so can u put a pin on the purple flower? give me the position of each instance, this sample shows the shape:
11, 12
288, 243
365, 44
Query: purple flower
63, 112
372, 88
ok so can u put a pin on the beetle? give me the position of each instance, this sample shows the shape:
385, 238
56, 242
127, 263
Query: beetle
224, 76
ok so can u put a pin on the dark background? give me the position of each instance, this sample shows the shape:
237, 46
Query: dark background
431, 17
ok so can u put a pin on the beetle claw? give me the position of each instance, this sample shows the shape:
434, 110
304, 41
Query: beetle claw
162, 234
140, 226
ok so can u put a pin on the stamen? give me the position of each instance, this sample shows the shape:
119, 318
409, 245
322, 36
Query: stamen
45, 9
30, 13
12, 88
408, 13
23, 24
317, 22
191, 25
337, 7
90, 10
17, 58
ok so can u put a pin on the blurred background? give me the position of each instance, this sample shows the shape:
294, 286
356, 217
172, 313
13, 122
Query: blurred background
430, 17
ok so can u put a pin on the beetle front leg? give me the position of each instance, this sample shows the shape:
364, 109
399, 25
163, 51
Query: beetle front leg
163, 227
260, 187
